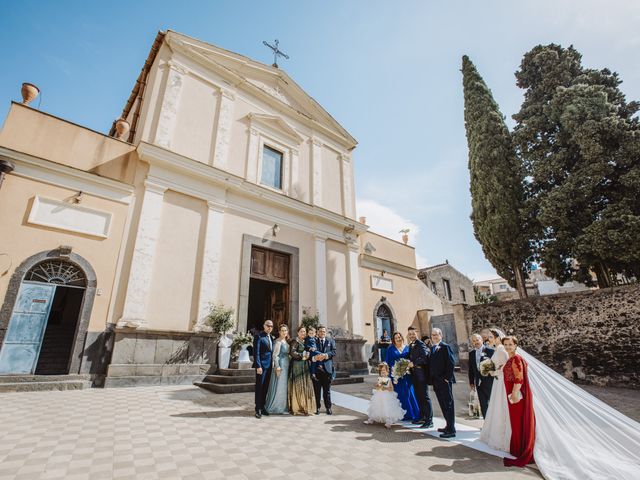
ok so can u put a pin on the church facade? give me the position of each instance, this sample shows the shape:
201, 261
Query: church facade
232, 186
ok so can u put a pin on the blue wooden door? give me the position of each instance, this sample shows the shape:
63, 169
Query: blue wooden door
23, 339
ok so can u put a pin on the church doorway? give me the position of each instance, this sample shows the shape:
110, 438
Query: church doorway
41, 334
268, 288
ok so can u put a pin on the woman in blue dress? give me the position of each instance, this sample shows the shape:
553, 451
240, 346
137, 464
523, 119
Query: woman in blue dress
277, 399
404, 387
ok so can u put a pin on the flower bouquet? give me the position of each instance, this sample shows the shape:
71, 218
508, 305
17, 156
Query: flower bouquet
400, 369
486, 367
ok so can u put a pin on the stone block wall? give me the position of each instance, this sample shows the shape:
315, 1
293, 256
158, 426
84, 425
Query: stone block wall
589, 337
160, 358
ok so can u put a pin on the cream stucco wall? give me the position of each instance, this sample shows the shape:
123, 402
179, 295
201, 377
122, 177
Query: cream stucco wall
20, 240
176, 271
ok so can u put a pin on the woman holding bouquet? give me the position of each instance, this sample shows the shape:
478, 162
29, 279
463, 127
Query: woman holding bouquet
496, 431
521, 414
399, 352
301, 397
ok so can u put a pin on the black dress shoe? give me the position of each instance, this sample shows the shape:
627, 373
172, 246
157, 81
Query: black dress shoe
417, 421
442, 430
258, 415
448, 435
264, 412
427, 425
329, 412
317, 411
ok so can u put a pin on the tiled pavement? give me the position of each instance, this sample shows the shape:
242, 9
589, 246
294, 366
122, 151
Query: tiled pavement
187, 433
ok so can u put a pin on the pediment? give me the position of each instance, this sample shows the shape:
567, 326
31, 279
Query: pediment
276, 124
264, 79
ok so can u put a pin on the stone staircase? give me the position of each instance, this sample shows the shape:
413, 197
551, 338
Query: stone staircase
37, 383
231, 380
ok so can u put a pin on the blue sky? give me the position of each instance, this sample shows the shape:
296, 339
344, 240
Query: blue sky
388, 71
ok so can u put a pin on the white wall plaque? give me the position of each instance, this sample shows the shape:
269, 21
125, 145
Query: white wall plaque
381, 283
67, 216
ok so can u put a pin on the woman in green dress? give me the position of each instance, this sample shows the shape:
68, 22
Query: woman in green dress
301, 398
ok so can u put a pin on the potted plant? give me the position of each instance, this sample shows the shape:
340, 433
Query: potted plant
220, 319
310, 317
239, 346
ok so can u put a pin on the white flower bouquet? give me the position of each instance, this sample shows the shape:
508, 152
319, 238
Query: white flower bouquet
400, 369
486, 367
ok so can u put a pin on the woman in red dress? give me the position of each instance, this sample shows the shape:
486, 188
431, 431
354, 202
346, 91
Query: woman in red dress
520, 400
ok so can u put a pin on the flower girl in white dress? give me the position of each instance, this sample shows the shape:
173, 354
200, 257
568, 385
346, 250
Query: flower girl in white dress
384, 406
496, 431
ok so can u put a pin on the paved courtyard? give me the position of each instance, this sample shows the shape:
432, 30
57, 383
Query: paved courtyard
188, 433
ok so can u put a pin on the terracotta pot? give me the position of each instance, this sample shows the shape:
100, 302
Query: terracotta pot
29, 92
122, 128
405, 238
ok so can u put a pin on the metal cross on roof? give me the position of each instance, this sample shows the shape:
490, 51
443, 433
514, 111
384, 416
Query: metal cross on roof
276, 52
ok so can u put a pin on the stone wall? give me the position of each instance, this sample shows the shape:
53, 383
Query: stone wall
160, 358
589, 337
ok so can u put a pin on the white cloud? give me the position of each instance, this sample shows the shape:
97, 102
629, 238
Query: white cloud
386, 221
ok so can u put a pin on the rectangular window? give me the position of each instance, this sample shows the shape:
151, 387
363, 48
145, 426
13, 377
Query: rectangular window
447, 289
463, 294
434, 288
271, 168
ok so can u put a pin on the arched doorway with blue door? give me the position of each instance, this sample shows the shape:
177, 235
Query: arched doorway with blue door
45, 315
384, 321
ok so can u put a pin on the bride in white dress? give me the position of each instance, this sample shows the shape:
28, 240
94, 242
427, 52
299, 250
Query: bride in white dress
496, 431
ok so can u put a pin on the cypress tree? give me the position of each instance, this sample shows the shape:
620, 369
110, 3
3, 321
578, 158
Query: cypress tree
497, 193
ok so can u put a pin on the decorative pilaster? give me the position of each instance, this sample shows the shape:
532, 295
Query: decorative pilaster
294, 189
347, 191
223, 134
210, 275
169, 107
252, 156
316, 173
139, 285
321, 278
354, 290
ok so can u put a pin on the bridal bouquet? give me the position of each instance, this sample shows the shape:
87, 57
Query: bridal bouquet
486, 367
400, 369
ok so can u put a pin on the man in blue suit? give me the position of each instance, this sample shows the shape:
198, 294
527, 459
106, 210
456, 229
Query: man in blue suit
325, 372
442, 379
262, 348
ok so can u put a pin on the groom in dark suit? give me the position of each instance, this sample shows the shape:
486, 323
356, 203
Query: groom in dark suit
481, 384
442, 379
262, 348
419, 357
325, 371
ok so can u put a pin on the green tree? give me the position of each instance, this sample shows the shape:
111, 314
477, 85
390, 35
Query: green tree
579, 142
497, 193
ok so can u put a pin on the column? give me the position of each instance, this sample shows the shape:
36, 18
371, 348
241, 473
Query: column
210, 275
355, 313
139, 285
321, 278
347, 191
169, 107
316, 173
252, 156
223, 133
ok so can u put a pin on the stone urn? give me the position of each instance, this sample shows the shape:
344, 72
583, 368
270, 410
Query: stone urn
405, 238
243, 355
224, 351
122, 128
29, 92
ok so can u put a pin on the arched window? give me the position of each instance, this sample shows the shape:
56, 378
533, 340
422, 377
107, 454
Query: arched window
384, 312
57, 272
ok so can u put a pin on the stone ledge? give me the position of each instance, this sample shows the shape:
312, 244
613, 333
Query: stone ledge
156, 370
142, 381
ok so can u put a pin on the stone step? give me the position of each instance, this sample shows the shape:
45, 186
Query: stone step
238, 387
229, 379
44, 386
42, 378
234, 372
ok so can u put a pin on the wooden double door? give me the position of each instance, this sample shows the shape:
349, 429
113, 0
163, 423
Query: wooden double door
269, 289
